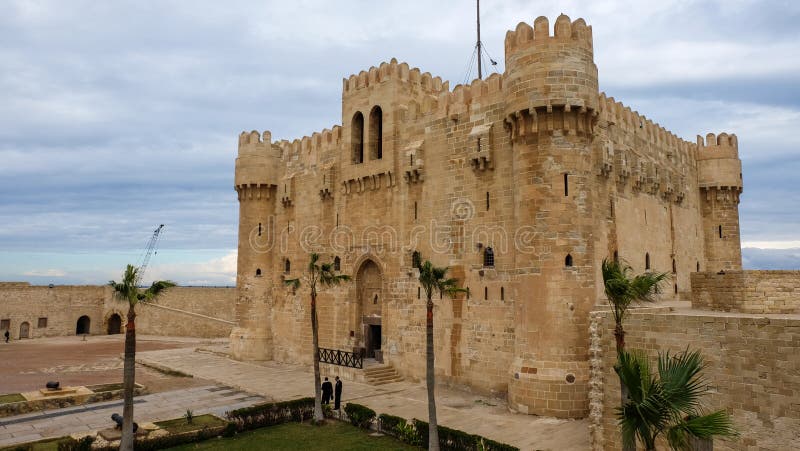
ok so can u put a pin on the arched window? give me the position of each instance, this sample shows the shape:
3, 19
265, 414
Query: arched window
287, 266
488, 257
416, 259
258, 272
647, 261
376, 133
357, 137
568, 260
337, 263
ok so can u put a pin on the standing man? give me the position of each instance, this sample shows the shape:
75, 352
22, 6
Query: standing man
338, 394
7, 335
327, 392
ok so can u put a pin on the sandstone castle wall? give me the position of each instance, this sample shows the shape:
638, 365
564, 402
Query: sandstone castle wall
747, 291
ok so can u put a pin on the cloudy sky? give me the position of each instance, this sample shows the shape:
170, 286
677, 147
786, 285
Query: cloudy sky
118, 116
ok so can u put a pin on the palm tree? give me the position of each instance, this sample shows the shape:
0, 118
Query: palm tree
622, 290
325, 275
127, 291
433, 279
668, 402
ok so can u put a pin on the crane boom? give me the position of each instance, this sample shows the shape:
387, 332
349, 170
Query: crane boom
151, 247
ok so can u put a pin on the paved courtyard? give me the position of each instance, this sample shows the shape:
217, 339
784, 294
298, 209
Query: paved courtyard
489, 417
220, 384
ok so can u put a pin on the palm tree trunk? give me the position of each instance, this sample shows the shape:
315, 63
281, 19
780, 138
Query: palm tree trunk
318, 416
128, 380
619, 336
433, 430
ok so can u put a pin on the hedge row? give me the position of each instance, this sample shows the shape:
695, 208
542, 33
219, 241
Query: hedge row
148, 444
270, 414
416, 433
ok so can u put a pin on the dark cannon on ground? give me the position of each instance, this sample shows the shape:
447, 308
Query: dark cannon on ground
52, 385
117, 418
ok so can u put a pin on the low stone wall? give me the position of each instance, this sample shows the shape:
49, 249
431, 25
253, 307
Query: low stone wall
747, 291
45, 311
752, 366
189, 312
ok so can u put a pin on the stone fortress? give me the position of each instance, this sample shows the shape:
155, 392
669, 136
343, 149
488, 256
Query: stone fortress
521, 183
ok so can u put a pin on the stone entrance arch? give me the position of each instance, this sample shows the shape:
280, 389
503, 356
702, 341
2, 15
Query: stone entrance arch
82, 326
369, 292
25, 330
114, 324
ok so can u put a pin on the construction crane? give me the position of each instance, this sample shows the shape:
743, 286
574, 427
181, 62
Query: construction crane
148, 252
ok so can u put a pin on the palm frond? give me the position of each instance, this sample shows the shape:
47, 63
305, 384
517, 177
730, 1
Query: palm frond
294, 283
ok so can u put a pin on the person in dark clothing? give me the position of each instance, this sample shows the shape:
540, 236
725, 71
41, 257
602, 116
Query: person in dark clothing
327, 391
338, 394
7, 335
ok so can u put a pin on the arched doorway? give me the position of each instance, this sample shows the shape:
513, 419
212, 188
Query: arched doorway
114, 324
24, 330
369, 289
82, 327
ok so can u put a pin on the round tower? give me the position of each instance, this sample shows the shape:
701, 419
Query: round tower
719, 173
257, 172
552, 99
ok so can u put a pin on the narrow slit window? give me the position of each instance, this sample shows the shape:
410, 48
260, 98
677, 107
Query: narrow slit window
376, 133
698, 266
568, 261
616, 257
485, 293
287, 266
647, 261
337, 263
415, 210
719, 229
502, 294
259, 229
566, 184
419, 293
487, 200
674, 267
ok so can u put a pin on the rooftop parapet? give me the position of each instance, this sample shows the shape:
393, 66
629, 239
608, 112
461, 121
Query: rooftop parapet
393, 70
575, 33
259, 161
314, 145
631, 121
718, 162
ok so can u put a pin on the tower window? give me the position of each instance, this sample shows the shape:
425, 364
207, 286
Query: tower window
719, 229
416, 259
647, 261
337, 263
674, 267
676, 288
419, 292
258, 272
485, 293
487, 200
566, 184
259, 229
287, 266
698, 266
357, 137
415, 210
488, 257
376, 133
568, 260
502, 294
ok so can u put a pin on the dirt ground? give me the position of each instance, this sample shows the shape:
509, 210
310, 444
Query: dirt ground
26, 365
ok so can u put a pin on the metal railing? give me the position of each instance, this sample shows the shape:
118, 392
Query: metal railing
341, 358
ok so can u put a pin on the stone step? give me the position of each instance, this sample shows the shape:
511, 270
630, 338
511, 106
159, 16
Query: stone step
381, 375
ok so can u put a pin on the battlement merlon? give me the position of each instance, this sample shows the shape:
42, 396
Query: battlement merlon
394, 71
259, 161
718, 162
524, 36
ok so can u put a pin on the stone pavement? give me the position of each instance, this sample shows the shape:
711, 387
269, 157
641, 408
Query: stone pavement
92, 417
456, 409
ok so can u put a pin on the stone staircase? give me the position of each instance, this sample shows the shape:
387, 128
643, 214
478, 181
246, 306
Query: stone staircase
381, 374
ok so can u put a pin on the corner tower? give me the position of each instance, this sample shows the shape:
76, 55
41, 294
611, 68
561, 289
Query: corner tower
552, 97
257, 175
719, 172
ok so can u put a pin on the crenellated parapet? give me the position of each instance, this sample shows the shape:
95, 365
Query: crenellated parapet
550, 82
258, 166
718, 164
411, 77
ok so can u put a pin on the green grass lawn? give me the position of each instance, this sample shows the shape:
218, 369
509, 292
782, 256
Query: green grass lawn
50, 444
179, 425
334, 435
12, 397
